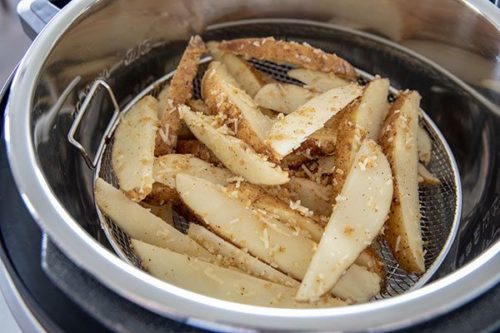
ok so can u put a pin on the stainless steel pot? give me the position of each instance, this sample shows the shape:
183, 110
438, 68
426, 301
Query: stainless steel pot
429, 47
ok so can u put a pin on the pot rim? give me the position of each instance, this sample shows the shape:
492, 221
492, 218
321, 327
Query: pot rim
436, 298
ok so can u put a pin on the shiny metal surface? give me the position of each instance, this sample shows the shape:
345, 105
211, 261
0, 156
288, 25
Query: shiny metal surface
90, 39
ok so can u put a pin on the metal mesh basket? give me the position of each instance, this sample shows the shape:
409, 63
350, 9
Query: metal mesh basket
438, 203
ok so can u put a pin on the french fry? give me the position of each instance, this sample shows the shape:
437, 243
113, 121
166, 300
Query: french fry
133, 149
279, 51
249, 123
139, 223
399, 141
237, 257
248, 78
278, 208
166, 167
230, 218
234, 153
317, 80
289, 132
283, 97
211, 280
363, 119
357, 285
357, 218
371, 260
180, 91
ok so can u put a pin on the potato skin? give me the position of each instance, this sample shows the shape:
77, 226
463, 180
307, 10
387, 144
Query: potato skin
180, 91
349, 138
395, 233
219, 102
198, 149
294, 53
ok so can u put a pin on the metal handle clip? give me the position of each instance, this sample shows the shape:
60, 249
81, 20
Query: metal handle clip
92, 163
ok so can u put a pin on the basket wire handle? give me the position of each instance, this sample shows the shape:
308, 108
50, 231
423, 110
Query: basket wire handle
92, 163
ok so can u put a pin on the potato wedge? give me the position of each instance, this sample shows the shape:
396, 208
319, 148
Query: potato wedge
424, 146
166, 167
371, 260
356, 220
234, 153
197, 149
248, 78
312, 195
293, 53
162, 211
161, 195
230, 219
248, 121
139, 223
363, 119
357, 285
425, 177
289, 132
133, 149
180, 91
399, 141
212, 280
197, 105
283, 97
237, 257
316, 80
281, 210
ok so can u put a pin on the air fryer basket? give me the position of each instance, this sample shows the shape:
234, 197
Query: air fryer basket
440, 205
98, 45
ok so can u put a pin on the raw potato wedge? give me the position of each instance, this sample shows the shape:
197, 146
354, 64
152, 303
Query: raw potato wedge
283, 97
237, 257
197, 149
162, 211
260, 199
133, 149
248, 78
289, 132
180, 91
357, 218
399, 141
363, 119
211, 280
425, 177
247, 120
166, 167
424, 146
234, 153
312, 195
279, 51
316, 80
139, 223
230, 219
